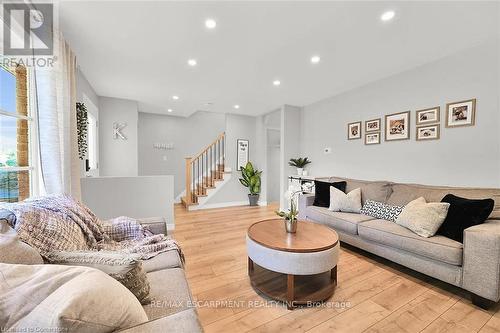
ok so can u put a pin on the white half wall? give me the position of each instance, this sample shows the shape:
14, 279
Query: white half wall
137, 197
464, 156
117, 157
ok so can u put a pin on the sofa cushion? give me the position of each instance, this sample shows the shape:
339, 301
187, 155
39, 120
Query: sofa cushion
345, 222
169, 292
168, 259
390, 234
15, 251
181, 322
65, 299
404, 193
373, 190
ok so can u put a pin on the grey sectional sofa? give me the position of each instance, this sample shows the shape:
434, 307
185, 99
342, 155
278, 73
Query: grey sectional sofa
473, 265
171, 309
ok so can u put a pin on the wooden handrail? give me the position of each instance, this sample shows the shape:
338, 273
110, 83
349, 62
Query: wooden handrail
210, 145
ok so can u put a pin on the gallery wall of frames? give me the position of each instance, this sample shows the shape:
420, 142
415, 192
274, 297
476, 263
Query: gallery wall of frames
397, 126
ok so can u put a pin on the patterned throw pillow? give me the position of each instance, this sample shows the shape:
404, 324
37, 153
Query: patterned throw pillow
381, 210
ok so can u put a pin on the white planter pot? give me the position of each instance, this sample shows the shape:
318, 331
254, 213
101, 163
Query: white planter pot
299, 171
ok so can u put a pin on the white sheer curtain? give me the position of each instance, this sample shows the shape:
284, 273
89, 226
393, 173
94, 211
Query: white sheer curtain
55, 136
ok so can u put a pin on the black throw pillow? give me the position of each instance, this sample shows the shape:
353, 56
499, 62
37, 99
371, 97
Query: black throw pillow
462, 214
322, 192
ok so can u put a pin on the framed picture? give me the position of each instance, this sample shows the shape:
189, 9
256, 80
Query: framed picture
461, 113
372, 138
242, 153
428, 116
372, 125
354, 131
397, 126
429, 132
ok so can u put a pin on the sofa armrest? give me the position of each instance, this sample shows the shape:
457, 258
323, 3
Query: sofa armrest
481, 268
304, 201
157, 225
181, 322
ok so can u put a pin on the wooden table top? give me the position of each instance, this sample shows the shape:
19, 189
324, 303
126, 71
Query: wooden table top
310, 237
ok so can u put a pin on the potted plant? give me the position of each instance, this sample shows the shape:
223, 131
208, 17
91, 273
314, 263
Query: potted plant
251, 179
290, 216
299, 163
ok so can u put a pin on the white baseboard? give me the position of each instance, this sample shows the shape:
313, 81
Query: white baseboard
170, 226
225, 204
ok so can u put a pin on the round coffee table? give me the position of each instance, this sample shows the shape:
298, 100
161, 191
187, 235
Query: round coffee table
294, 268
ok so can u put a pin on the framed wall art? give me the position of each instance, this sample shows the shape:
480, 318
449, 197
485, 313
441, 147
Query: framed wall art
429, 132
372, 138
461, 113
373, 125
397, 126
242, 153
354, 131
428, 116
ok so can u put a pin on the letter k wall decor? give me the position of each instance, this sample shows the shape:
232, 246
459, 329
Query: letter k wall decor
117, 131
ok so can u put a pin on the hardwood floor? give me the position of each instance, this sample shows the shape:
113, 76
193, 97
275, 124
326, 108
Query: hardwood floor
373, 294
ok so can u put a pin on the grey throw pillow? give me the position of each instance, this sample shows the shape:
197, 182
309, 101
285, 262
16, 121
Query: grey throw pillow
125, 268
381, 210
15, 251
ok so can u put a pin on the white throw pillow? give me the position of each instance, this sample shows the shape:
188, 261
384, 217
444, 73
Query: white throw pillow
341, 202
423, 218
65, 299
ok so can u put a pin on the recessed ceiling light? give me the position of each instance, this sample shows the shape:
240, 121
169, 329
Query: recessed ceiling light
175, 97
315, 59
236, 106
210, 23
388, 15
170, 110
192, 62
276, 82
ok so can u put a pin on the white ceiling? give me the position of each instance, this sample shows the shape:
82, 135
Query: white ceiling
139, 50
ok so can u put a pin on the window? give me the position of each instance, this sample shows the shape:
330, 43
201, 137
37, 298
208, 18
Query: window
14, 145
92, 141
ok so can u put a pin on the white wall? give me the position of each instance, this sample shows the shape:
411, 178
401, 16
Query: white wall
468, 156
188, 135
273, 165
117, 157
290, 145
137, 197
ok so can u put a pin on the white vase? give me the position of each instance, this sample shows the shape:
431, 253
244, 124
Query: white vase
304, 172
299, 171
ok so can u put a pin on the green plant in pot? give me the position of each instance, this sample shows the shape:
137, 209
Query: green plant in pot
290, 216
299, 163
251, 179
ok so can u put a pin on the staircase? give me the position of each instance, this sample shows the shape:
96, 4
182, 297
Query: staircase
205, 173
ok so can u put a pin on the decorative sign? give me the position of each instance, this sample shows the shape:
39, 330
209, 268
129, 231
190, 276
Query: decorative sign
242, 153
164, 146
117, 128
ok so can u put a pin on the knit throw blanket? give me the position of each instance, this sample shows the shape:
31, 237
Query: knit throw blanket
61, 223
